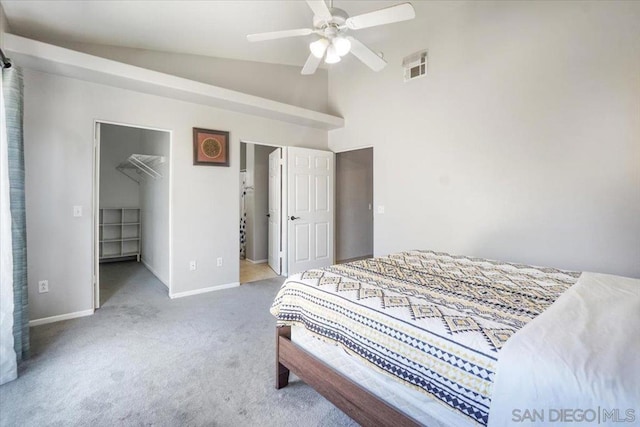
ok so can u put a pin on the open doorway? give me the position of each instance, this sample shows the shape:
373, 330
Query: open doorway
254, 212
287, 210
131, 205
354, 205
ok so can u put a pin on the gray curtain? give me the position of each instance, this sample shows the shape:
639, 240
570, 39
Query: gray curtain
13, 97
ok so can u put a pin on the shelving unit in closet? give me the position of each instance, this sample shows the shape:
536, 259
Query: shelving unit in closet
120, 233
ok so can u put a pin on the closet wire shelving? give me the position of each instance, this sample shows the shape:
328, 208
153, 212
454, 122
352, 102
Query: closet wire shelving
137, 167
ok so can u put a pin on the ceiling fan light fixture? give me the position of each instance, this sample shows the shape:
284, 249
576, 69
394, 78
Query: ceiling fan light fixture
332, 25
318, 47
342, 45
332, 56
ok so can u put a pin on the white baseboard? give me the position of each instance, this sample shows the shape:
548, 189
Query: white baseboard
260, 261
146, 264
61, 317
204, 290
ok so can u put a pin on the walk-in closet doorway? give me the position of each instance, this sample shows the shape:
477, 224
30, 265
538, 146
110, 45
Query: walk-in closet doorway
131, 211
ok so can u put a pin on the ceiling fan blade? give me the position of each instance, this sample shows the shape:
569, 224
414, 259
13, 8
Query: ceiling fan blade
311, 65
319, 8
279, 34
366, 55
397, 13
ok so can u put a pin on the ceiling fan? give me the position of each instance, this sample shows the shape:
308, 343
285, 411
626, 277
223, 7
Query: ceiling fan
331, 25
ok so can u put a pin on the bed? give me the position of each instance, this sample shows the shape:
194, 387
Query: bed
416, 338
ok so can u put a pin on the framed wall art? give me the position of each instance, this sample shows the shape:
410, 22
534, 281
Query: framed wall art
210, 147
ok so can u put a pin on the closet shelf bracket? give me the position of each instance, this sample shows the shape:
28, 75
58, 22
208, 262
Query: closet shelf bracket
139, 166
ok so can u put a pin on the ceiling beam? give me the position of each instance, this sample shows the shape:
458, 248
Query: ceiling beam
48, 58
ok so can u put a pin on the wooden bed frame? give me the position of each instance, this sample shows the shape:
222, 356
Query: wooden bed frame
359, 404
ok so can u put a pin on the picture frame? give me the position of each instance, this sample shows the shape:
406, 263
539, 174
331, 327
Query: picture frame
210, 147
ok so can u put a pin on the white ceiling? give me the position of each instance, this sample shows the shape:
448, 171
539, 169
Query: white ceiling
210, 28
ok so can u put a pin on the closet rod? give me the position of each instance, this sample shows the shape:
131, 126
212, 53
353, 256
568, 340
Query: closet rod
6, 62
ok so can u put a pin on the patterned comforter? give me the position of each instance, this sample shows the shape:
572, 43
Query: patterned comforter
433, 321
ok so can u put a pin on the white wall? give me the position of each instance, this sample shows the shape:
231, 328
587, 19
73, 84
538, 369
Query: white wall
58, 132
282, 83
521, 144
117, 143
4, 26
155, 206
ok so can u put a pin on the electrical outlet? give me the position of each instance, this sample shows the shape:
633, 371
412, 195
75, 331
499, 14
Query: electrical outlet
43, 286
77, 211
219, 262
381, 209
192, 266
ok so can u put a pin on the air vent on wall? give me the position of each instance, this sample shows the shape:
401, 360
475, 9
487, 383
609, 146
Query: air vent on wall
415, 65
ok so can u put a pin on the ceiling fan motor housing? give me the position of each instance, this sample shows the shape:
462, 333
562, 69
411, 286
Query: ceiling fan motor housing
338, 19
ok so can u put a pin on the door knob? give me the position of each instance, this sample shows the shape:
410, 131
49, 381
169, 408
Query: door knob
268, 215
293, 218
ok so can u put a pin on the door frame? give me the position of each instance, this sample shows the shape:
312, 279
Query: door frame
95, 208
284, 266
274, 257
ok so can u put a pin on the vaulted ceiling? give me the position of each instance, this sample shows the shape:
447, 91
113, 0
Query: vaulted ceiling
210, 28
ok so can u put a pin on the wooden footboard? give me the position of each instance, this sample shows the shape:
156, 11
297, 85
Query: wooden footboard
359, 404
